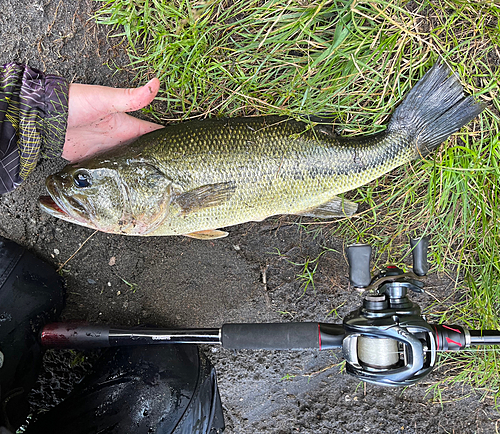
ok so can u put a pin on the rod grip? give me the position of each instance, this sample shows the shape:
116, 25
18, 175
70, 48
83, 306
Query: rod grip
271, 336
358, 256
282, 336
74, 335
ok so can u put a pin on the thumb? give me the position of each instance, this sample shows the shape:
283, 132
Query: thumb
129, 100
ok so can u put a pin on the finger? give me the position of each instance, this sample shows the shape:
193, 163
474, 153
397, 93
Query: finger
88, 103
114, 130
129, 100
138, 127
122, 128
107, 100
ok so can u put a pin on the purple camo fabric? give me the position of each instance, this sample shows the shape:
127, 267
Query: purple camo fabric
33, 119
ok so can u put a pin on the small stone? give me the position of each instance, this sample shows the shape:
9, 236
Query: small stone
56, 251
112, 261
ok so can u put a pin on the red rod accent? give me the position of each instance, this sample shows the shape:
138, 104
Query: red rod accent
437, 337
452, 341
449, 328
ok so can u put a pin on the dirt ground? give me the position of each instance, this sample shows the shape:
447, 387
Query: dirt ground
182, 282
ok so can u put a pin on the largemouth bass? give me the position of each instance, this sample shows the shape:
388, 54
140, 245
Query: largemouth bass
196, 177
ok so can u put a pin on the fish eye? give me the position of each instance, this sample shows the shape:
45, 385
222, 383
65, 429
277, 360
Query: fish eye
82, 179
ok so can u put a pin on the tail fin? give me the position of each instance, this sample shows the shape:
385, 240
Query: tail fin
434, 109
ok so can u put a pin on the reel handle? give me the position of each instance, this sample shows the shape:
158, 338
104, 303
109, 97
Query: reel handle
358, 257
419, 248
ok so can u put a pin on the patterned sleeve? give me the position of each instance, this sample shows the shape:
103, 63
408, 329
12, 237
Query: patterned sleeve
33, 118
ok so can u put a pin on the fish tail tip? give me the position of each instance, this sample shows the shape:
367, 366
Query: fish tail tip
435, 108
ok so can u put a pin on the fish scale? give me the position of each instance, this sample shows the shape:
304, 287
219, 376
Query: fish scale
195, 177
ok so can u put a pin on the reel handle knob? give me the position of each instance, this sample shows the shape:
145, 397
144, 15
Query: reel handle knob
358, 257
419, 252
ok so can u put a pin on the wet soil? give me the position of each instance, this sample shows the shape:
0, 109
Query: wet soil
250, 276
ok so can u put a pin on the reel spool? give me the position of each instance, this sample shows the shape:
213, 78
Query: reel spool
378, 353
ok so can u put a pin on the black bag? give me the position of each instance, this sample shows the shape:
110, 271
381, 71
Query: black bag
31, 294
141, 390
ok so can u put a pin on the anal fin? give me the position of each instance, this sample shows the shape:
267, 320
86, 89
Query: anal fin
210, 234
334, 208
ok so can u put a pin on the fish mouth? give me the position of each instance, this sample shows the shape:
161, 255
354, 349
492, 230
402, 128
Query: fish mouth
48, 205
62, 206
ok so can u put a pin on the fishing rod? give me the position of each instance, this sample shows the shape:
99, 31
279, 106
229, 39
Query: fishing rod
386, 341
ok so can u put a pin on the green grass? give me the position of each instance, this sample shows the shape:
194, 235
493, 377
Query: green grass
355, 59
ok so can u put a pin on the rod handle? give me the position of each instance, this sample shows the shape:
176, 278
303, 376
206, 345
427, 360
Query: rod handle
75, 335
282, 336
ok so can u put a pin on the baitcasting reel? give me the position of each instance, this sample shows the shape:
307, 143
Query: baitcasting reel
386, 341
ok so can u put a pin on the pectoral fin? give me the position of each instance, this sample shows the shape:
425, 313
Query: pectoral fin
336, 207
205, 196
208, 235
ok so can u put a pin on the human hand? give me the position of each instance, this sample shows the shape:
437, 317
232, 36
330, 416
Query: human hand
97, 118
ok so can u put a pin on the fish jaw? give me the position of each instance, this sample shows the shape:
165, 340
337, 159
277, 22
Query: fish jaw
48, 205
56, 204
